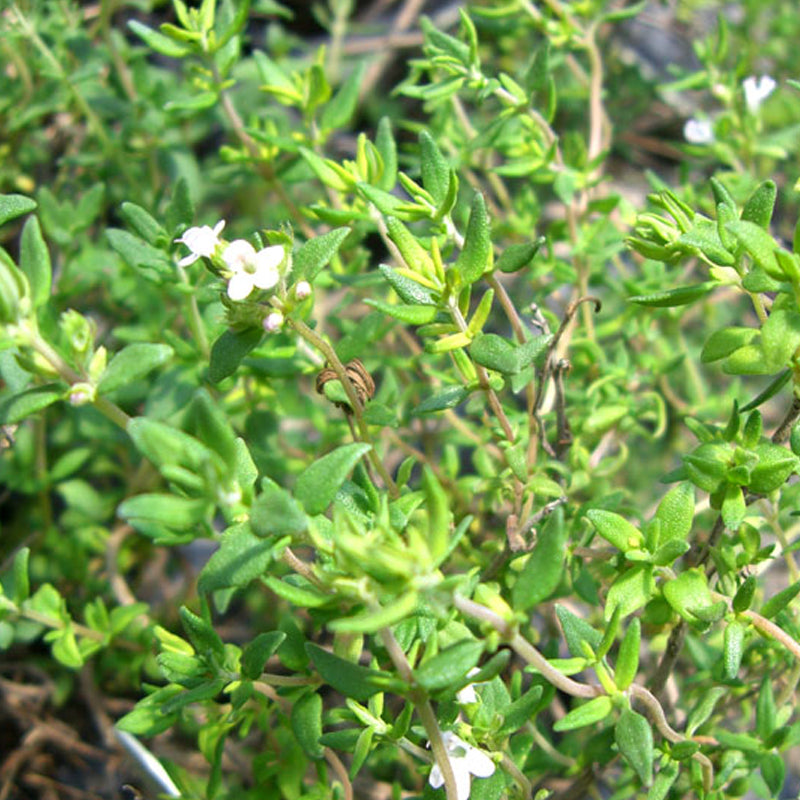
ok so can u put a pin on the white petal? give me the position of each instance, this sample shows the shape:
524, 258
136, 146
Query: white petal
698, 131
463, 779
218, 227
436, 779
265, 277
271, 256
466, 695
478, 763
240, 285
190, 259
239, 253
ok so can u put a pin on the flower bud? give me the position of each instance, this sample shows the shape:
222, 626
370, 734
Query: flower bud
273, 322
302, 289
80, 394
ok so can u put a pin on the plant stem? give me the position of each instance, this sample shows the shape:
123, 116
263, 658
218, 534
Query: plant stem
424, 710
355, 404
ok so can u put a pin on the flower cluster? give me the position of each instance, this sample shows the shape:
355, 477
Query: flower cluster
248, 268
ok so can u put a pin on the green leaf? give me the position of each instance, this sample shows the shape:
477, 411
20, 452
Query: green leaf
733, 649
780, 337
587, 714
759, 245
517, 256
387, 203
521, 711
627, 663
352, 680
148, 717
688, 593
495, 352
65, 647
450, 666
779, 601
143, 223
167, 446
229, 350
316, 253
409, 291
544, 567
306, 722
181, 209
204, 638
747, 360
734, 507
577, 631
666, 776
298, 591
676, 513
137, 253
449, 397
338, 112
704, 709
615, 529
258, 651
704, 240
158, 42
318, 483
440, 518
680, 296
19, 406
276, 512
330, 173
211, 425
34, 261
14, 205
631, 590
19, 589
538, 70
772, 389
386, 146
180, 514
773, 771
416, 257
372, 621
726, 341
759, 206
634, 738
409, 314
765, 710
242, 557
775, 464
722, 195
744, 594
476, 255
131, 363
435, 168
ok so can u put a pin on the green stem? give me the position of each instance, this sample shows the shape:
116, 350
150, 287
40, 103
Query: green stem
355, 403
193, 318
425, 711
104, 406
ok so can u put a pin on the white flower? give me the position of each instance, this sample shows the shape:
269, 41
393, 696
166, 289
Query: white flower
250, 268
698, 131
757, 90
201, 241
465, 761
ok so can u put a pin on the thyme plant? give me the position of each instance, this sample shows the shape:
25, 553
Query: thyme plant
367, 434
